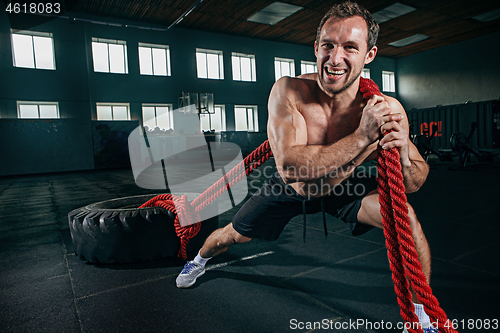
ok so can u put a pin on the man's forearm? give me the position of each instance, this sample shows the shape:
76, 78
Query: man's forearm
309, 162
415, 173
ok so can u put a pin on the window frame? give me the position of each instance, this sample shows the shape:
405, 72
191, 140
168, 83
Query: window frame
38, 104
33, 34
210, 119
304, 64
254, 115
253, 70
364, 73
291, 63
156, 105
157, 47
220, 64
112, 105
110, 42
392, 81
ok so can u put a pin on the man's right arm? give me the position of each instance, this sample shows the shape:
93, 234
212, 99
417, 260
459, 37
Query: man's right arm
295, 159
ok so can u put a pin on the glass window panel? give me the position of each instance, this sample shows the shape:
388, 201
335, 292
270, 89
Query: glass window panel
236, 68
240, 116
201, 65
44, 52
116, 58
120, 113
145, 61
104, 113
213, 66
246, 71
254, 74
277, 70
159, 62
168, 62
48, 111
250, 119
216, 119
365, 73
256, 119
100, 57
148, 113
303, 69
285, 68
204, 122
28, 111
23, 51
163, 117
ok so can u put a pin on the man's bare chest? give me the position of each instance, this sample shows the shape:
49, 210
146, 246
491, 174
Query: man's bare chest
325, 128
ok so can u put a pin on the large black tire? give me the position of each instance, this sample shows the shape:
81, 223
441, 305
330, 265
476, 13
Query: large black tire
116, 231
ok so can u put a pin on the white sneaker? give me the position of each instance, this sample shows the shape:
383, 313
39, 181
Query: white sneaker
189, 274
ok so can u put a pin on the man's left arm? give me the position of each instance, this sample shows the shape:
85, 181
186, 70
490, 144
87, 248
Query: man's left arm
414, 167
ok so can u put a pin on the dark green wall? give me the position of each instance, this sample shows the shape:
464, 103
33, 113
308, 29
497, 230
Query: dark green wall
452, 74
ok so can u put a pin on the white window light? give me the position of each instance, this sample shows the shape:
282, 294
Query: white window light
109, 56
246, 118
215, 121
209, 64
243, 67
365, 73
307, 67
388, 82
154, 59
32, 49
37, 110
284, 67
157, 115
113, 111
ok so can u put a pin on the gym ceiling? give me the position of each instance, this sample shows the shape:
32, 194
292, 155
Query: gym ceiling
443, 21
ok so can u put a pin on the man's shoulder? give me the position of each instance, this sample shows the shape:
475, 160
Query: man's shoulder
393, 103
302, 85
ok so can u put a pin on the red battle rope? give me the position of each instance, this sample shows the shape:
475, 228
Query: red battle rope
403, 258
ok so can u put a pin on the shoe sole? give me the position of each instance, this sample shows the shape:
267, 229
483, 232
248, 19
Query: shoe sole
194, 281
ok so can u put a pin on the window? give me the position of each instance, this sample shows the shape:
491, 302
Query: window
160, 115
154, 59
284, 67
37, 110
113, 111
246, 118
365, 73
243, 67
32, 49
215, 121
209, 64
307, 67
388, 83
110, 56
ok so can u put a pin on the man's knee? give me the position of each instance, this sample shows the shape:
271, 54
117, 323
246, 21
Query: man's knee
229, 236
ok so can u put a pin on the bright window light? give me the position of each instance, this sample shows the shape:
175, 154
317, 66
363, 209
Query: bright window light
154, 59
243, 67
209, 64
38, 110
365, 73
388, 81
33, 50
215, 121
109, 56
246, 118
113, 111
307, 67
284, 67
157, 115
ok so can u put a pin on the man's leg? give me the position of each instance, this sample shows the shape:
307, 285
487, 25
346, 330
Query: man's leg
369, 213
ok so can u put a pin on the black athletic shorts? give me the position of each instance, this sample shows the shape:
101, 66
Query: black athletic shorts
268, 211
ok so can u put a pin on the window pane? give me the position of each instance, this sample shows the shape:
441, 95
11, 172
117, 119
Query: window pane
104, 113
116, 58
277, 70
159, 62
236, 68
28, 111
216, 120
285, 68
250, 119
168, 62
254, 74
163, 117
44, 52
204, 122
365, 73
120, 113
255, 119
23, 51
148, 116
100, 57
240, 116
48, 111
145, 61
201, 65
213, 66
246, 71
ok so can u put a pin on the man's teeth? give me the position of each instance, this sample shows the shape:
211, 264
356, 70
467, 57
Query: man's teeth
340, 72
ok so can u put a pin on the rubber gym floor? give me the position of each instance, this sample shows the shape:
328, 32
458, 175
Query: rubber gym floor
342, 283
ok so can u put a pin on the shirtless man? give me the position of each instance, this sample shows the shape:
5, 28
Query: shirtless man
320, 129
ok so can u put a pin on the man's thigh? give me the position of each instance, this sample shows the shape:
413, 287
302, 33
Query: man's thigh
369, 212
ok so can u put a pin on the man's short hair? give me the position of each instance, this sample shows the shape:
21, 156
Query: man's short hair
349, 9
